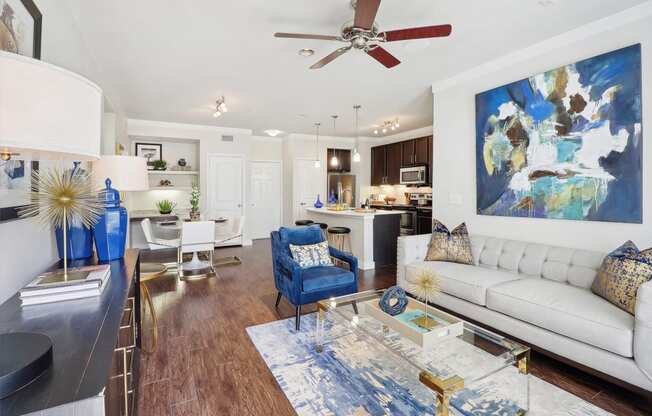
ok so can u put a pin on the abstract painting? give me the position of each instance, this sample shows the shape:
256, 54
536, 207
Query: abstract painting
564, 144
20, 27
15, 183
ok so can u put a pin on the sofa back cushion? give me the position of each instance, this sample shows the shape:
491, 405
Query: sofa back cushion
561, 264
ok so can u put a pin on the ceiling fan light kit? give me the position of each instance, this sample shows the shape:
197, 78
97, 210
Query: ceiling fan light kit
220, 107
363, 34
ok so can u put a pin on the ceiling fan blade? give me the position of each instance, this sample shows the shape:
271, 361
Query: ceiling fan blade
329, 58
381, 55
365, 13
418, 33
304, 36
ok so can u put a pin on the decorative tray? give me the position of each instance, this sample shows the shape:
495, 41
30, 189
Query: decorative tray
446, 327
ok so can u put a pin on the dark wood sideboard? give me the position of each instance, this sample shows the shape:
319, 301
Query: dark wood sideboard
96, 345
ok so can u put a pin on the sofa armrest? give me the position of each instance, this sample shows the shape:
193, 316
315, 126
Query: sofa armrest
347, 258
643, 329
410, 249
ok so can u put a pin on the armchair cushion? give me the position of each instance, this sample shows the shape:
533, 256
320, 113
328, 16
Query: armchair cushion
300, 236
311, 255
319, 278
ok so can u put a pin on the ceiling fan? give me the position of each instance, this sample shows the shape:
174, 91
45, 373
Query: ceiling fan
363, 34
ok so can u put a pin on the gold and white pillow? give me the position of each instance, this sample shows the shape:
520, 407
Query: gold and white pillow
311, 255
453, 246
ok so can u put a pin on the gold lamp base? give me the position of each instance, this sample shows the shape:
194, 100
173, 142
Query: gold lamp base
425, 322
60, 277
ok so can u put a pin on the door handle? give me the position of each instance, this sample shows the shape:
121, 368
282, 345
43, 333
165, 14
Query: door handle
303, 203
239, 205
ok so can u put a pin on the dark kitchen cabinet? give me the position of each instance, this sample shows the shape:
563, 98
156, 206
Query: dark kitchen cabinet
421, 154
408, 152
393, 165
424, 224
377, 166
343, 158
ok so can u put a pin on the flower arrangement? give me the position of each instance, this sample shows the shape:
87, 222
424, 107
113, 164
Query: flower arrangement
165, 206
426, 286
194, 202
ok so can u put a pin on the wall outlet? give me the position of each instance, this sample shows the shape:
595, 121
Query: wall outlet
455, 199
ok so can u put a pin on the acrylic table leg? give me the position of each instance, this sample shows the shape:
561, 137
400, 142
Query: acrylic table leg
319, 341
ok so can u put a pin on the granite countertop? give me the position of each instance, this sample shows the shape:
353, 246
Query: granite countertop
351, 213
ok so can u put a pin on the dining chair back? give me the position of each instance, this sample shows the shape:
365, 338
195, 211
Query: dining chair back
146, 225
197, 236
231, 231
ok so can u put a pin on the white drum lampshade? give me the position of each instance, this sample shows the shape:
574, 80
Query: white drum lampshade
127, 173
46, 112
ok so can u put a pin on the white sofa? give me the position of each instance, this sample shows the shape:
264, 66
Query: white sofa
541, 294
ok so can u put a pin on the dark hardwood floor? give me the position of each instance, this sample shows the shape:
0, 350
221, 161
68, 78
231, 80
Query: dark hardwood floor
205, 363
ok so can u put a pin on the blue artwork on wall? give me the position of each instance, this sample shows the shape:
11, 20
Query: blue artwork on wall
564, 144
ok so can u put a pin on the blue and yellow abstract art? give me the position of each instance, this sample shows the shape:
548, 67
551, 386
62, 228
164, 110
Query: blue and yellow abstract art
564, 144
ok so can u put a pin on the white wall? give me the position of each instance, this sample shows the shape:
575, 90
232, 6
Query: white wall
27, 249
454, 139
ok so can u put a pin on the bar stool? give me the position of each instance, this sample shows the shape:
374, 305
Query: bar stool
300, 223
323, 227
340, 238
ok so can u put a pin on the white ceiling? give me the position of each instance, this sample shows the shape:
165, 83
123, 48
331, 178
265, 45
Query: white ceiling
169, 60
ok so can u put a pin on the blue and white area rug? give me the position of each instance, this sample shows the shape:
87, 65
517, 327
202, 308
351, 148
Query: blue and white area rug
354, 376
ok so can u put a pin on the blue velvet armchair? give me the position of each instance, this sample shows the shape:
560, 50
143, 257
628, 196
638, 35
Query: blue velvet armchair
303, 286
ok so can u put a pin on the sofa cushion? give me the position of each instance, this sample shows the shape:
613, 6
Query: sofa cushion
567, 310
461, 280
317, 278
454, 246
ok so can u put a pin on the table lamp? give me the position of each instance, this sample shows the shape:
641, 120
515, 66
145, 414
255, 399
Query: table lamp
116, 174
46, 113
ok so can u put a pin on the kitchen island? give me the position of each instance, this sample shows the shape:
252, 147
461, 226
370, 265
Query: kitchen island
373, 235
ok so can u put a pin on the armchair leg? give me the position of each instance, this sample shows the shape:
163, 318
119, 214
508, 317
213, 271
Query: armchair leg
355, 307
278, 300
297, 324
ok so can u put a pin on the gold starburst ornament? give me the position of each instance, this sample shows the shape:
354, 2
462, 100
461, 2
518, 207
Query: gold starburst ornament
60, 197
425, 286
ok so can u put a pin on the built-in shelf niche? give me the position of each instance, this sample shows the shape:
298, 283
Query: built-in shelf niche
172, 150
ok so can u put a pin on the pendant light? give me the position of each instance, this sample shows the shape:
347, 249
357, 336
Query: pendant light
334, 161
317, 162
356, 150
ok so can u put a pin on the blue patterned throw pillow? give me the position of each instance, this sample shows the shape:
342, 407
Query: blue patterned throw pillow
311, 255
622, 272
453, 246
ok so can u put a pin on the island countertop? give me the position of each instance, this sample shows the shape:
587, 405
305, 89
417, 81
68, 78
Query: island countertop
351, 213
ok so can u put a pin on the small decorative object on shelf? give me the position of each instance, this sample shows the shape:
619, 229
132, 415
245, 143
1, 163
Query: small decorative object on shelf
165, 182
160, 164
426, 286
63, 196
332, 199
194, 203
318, 203
394, 301
182, 162
165, 206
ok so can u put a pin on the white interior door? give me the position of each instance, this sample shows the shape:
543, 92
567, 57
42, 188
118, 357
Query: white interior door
308, 182
224, 186
266, 191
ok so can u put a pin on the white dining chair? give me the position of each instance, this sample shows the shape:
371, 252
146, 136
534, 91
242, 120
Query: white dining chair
155, 243
226, 235
197, 236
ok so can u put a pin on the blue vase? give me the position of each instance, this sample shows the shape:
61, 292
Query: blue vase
79, 244
332, 199
318, 203
110, 233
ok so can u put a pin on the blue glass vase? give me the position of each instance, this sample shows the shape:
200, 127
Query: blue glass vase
110, 233
318, 203
79, 244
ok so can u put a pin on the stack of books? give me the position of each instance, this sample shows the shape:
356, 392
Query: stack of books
80, 283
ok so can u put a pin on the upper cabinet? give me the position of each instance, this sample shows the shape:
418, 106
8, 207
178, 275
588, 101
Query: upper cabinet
387, 160
343, 158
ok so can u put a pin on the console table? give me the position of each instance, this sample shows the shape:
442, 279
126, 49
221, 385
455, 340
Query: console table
96, 343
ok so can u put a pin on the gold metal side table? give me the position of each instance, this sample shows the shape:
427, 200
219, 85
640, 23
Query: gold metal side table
151, 271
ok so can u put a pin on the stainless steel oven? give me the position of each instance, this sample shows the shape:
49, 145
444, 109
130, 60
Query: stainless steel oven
414, 175
408, 221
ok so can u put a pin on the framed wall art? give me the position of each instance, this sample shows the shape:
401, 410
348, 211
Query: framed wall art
15, 183
20, 27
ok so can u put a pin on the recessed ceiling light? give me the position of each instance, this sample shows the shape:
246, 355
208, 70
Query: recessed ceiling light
306, 52
273, 132
547, 3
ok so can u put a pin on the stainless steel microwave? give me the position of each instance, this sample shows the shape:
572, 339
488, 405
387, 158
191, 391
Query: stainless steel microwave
414, 175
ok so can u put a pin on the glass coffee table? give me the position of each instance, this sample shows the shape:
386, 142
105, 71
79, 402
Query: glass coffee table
474, 373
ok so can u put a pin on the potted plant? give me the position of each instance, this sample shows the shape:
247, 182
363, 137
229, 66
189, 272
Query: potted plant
194, 203
160, 164
165, 206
